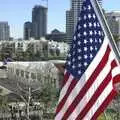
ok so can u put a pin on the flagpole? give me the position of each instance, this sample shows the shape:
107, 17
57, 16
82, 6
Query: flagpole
106, 28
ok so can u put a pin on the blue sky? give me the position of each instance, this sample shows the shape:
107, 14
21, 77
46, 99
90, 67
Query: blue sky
16, 12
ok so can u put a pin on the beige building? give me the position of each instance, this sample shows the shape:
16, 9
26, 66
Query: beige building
113, 19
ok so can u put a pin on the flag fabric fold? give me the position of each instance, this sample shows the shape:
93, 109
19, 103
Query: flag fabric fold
90, 72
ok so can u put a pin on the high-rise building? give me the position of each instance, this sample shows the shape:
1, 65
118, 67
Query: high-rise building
27, 30
76, 7
39, 21
4, 31
69, 26
72, 18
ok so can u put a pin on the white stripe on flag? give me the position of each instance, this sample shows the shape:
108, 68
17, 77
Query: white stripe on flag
65, 88
116, 71
100, 100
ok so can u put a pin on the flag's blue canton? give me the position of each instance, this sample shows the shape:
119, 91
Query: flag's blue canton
87, 41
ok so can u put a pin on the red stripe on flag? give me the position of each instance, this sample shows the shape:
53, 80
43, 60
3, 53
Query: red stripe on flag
66, 77
62, 102
104, 104
97, 93
116, 79
88, 84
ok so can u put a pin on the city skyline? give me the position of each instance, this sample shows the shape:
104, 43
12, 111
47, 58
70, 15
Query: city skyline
17, 12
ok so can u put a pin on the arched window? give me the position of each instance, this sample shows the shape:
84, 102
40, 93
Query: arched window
33, 75
27, 75
22, 73
17, 72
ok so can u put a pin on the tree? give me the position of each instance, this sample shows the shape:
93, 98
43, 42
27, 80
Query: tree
49, 93
49, 97
113, 111
3, 105
27, 90
36, 83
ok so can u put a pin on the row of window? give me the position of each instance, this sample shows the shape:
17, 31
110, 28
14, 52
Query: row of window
34, 76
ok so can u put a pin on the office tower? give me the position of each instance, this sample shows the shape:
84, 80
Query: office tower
69, 26
39, 21
72, 18
27, 30
4, 31
75, 8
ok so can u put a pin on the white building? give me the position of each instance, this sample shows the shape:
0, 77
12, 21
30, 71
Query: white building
61, 46
36, 74
35, 46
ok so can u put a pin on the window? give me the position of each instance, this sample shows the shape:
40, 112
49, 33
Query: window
38, 76
33, 75
17, 72
22, 73
27, 75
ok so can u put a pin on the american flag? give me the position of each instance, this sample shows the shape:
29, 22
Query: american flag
91, 70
